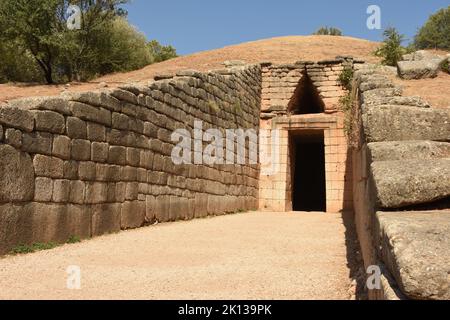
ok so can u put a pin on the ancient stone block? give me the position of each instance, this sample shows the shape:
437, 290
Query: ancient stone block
395, 123
76, 128
43, 189
90, 113
105, 219
17, 176
96, 132
13, 137
37, 142
49, 121
132, 214
402, 150
87, 171
61, 191
120, 191
410, 182
99, 151
117, 155
133, 157
17, 118
132, 190
50, 167
418, 69
15, 225
80, 150
120, 121
129, 174
61, 147
161, 208
414, 247
77, 192
70, 170
96, 192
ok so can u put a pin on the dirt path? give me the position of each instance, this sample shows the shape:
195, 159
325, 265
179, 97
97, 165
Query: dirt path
245, 256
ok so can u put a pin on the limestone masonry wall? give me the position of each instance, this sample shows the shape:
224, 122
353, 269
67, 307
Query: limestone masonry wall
401, 183
87, 164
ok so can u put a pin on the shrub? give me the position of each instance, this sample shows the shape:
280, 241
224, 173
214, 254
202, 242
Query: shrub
391, 50
328, 31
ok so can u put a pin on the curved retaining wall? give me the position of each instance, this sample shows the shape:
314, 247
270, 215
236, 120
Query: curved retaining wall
86, 164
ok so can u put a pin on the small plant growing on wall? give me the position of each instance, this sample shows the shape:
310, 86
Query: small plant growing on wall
347, 102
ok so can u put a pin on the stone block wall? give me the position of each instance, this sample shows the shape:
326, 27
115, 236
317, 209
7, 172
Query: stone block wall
86, 164
401, 183
281, 82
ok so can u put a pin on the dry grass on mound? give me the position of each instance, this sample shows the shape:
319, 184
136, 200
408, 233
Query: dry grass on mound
277, 50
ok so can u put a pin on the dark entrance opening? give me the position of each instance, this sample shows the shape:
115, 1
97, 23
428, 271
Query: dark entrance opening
306, 98
308, 171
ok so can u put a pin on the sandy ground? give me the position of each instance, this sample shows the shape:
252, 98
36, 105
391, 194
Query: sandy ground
244, 256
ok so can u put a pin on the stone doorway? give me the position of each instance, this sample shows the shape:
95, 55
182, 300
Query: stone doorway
308, 170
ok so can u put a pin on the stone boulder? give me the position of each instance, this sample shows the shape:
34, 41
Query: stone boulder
409, 70
410, 182
420, 64
415, 247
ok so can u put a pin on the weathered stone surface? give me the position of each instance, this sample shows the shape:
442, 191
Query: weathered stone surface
43, 189
99, 152
418, 69
61, 147
61, 191
17, 118
49, 121
90, 113
132, 214
13, 137
76, 128
405, 101
56, 104
105, 219
37, 142
81, 150
50, 167
396, 123
17, 175
77, 192
424, 55
96, 132
15, 226
402, 150
96, 192
410, 182
415, 246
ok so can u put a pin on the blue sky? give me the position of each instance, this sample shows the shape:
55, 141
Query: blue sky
197, 25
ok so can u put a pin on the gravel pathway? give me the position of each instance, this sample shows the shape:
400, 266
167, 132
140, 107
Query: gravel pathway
244, 256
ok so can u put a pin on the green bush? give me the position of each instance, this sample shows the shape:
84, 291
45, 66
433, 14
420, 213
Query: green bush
328, 31
36, 45
391, 51
346, 78
435, 34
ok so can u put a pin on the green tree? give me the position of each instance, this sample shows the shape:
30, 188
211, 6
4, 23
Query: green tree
328, 31
391, 50
435, 33
161, 53
40, 27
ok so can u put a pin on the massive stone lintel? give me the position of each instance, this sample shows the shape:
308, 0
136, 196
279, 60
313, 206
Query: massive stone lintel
402, 150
